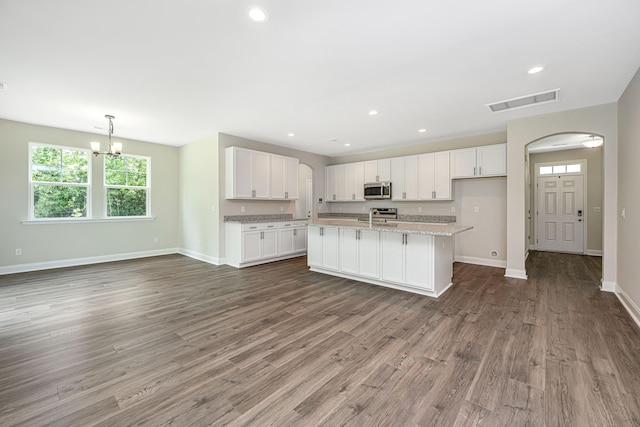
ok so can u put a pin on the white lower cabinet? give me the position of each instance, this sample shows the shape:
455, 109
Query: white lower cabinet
360, 252
414, 262
251, 244
408, 259
323, 247
292, 238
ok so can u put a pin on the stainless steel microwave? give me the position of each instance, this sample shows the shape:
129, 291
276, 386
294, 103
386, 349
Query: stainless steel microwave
377, 190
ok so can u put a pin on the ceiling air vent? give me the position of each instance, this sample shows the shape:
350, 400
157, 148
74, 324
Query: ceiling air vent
525, 101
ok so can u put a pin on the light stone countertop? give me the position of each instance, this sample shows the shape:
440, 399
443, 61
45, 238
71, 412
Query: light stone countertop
435, 229
257, 219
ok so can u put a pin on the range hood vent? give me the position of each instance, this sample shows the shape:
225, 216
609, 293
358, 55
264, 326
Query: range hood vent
525, 101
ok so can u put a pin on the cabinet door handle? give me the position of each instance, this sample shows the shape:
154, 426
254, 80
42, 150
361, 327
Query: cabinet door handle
480, 170
433, 194
353, 197
253, 193
286, 194
252, 228
378, 178
295, 232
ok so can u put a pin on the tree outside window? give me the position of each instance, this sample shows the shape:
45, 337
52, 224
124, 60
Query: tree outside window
60, 182
127, 186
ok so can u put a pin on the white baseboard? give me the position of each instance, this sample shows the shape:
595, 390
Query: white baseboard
593, 252
481, 261
631, 307
608, 286
47, 265
516, 273
201, 257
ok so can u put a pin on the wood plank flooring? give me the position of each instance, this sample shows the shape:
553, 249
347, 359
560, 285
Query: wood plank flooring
173, 341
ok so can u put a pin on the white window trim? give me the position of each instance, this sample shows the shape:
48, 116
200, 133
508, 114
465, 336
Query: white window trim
86, 220
581, 162
88, 185
147, 187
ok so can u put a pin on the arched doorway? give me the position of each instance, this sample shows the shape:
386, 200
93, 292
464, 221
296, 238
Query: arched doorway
564, 193
304, 204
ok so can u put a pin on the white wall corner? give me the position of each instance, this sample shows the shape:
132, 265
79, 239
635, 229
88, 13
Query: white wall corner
608, 286
516, 273
631, 307
201, 257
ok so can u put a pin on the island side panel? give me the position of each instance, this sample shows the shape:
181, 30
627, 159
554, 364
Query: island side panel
443, 263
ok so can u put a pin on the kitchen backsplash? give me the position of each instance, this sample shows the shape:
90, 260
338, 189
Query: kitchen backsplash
407, 218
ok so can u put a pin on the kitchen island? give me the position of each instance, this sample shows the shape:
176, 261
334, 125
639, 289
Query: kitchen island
410, 256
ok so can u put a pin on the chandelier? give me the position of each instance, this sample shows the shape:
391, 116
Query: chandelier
115, 148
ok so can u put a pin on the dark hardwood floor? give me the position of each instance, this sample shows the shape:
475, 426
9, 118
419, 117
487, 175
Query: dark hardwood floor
173, 341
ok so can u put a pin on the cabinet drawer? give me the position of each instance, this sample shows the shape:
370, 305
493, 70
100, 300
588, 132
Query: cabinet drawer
292, 224
259, 226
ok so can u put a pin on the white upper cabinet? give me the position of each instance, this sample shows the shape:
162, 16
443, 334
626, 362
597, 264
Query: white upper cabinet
284, 177
492, 160
354, 181
404, 178
253, 174
344, 183
489, 160
377, 170
434, 176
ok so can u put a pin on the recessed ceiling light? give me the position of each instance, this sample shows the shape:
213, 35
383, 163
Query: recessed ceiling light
347, 145
373, 112
422, 130
535, 70
291, 134
258, 14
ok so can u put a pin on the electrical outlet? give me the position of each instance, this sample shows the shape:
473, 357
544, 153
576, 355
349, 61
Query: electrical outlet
419, 208
155, 240
476, 209
596, 209
453, 209
281, 208
18, 252
242, 209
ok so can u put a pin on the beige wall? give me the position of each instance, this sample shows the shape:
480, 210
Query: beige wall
629, 192
199, 199
594, 189
426, 147
51, 243
254, 207
599, 120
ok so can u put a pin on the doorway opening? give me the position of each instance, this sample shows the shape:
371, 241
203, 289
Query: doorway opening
564, 194
304, 203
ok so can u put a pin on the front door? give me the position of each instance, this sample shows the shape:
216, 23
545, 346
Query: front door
560, 225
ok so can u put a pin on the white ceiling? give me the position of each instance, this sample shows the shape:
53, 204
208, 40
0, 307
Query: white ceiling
173, 72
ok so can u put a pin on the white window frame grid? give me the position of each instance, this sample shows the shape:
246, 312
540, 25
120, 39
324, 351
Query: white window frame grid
565, 163
108, 186
32, 183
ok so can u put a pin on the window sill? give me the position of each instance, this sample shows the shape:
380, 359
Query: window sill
85, 220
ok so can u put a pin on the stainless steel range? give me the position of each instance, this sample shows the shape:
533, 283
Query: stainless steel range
379, 215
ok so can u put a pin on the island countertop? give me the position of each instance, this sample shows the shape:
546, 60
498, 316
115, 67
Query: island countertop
436, 229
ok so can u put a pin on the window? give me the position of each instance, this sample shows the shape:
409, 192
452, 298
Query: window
560, 169
60, 182
126, 180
